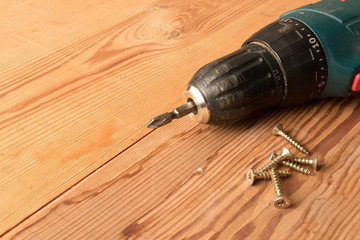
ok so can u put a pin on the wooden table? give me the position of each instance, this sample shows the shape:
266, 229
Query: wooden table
81, 79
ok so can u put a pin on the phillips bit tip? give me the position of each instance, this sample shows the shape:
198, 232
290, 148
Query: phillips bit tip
178, 112
160, 120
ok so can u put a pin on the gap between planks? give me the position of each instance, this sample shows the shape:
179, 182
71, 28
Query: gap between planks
75, 184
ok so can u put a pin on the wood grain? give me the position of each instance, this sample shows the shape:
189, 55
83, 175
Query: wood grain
186, 181
79, 81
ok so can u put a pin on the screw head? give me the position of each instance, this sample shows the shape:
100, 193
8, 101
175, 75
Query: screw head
250, 178
314, 162
277, 129
286, 153
272, 156
282, 202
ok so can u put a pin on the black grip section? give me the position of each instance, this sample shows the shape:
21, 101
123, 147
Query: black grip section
301, 56
239, 84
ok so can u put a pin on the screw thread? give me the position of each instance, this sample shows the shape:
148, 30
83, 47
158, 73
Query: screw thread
267, 176
297, 167
292, 141
277, 184
302, 160
311, 162
273, 163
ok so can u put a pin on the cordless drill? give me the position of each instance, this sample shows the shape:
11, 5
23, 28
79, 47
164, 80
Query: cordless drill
308, 53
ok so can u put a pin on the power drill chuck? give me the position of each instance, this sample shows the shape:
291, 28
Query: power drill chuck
276, 66
237, 85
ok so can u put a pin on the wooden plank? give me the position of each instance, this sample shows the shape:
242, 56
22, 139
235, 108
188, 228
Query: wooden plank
80, 81
61, 115
186, 181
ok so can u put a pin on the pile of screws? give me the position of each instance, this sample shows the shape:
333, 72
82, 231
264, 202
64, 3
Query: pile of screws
270, 170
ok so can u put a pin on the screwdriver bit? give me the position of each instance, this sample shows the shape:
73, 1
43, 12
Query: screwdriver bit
179, 112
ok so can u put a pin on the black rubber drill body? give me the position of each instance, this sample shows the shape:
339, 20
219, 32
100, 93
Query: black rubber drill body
274, 67
240, 83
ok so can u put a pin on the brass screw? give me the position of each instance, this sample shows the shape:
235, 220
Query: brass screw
311, 162
251, 176
292, 165
276, 159
281, 201
297, 167
279, 131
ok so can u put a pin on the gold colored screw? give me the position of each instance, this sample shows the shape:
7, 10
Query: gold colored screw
279, 131
297, 167
292, 165
281, 201
276, 159
251, 176
311, 162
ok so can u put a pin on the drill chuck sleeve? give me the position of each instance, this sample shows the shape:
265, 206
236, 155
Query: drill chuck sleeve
283, 64
239, 84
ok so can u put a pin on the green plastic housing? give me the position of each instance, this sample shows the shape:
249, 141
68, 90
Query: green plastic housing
336, 23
